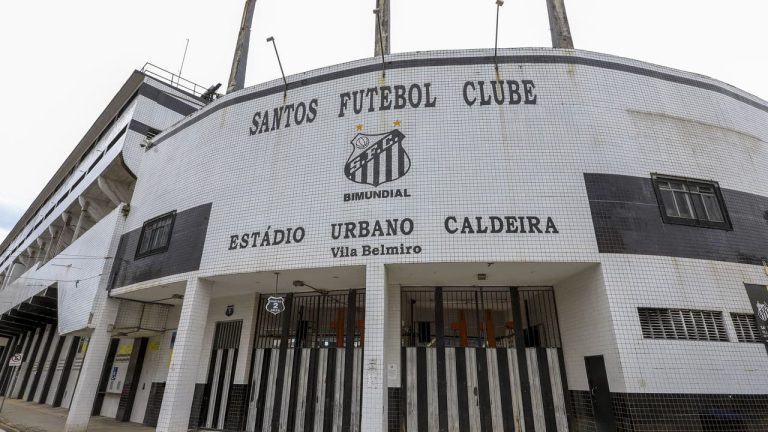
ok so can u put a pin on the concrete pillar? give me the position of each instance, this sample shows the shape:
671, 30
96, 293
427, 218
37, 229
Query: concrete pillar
80, 220
112, 190
393, 331
54, 240
105, 311
17, 269
180, 384
374, 412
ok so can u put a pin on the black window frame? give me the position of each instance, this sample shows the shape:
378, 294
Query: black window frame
725, 224
159, 250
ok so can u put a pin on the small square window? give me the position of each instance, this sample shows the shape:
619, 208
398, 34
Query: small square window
690, 202
156, 235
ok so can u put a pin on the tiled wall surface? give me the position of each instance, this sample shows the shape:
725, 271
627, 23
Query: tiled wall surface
581, 155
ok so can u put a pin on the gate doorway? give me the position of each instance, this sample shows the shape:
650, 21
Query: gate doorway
306, 372
221, 371
481, 359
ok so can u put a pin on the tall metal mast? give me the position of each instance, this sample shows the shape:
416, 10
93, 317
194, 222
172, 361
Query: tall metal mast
382, 37
240, 60
558, 25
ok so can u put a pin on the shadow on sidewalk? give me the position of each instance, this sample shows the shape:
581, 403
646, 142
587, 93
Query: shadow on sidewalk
23, 416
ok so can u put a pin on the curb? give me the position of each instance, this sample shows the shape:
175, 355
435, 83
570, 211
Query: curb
8, 428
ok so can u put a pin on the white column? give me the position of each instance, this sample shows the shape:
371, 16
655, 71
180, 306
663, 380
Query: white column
105, 311
393, 331
180, 385
374, 414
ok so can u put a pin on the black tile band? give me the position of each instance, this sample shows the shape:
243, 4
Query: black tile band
545, 384
166, 100
461, 389
349, 361
522, 360
505, 383
483, 390
280, 377
261, 396
309, 403
330, 382
442, 376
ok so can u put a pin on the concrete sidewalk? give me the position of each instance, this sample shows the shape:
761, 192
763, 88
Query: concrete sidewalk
23, 416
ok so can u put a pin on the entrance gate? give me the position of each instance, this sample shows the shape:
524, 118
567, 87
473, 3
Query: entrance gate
306, 373
226, 342
481, 359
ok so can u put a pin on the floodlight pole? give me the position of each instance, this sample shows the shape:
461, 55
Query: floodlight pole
240, 59
381, 43
377, 12
559, 28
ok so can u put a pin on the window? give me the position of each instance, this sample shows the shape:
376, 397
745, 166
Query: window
746, 327
691, 202
682, 324
151, 133
156, 235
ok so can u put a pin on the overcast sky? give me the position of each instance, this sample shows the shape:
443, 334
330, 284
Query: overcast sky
62, 61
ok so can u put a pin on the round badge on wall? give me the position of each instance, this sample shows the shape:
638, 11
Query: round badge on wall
230, 310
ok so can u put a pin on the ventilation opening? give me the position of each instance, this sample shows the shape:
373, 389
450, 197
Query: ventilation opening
682, 324
746, 327
152, 132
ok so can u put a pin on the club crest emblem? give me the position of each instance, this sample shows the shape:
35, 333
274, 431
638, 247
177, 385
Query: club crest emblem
275, 305
377, 158
762, 311
229, 310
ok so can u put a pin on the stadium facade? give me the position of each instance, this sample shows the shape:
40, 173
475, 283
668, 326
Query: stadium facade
544, 240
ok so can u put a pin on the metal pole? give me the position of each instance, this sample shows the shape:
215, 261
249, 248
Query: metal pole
240, 59
558, 24
377, 12
381, 43
183, 58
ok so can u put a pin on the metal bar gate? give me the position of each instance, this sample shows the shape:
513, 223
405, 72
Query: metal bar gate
481, 359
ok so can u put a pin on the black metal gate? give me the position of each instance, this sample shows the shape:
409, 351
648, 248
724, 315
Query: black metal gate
306, 373
481, 359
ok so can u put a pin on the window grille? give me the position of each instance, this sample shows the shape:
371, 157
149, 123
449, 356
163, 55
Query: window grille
691, 202
227, 334
682, 324
746, 327
156, 235
151, 133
